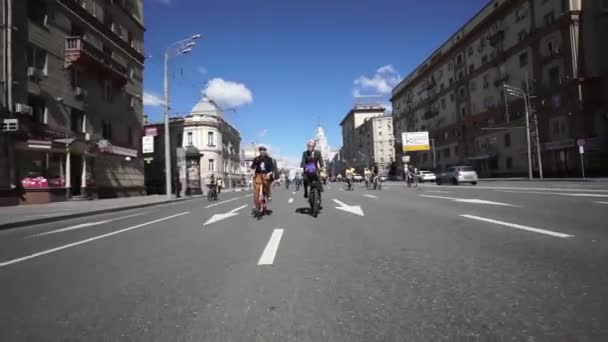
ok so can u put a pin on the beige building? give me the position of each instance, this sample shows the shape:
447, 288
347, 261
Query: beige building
552, 49
353, 151
377, 141
72, 74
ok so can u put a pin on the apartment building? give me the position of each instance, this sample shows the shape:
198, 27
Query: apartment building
358, 135
377, 141
553, 51
72, 78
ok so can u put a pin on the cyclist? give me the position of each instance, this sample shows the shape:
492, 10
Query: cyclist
262, 167
367, 173
349, 175
212, 185
375, 176
311, 163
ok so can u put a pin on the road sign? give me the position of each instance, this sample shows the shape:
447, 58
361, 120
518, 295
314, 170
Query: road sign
147, 144
415, 141
581, 149
580, 142
153, 131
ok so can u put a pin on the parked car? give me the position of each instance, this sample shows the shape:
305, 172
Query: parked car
425, 176
357, 177
458, 174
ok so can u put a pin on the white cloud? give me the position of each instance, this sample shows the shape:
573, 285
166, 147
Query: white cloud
262, 133
389, 107
153, 100
202, 70
382, 82
227, 93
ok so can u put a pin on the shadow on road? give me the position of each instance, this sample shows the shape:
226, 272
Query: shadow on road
305, 211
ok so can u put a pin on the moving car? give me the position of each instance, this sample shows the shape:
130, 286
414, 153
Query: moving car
425, 176
458, 174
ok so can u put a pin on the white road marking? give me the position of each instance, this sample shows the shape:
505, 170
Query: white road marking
219, 217
516, 188
586, 195
354, 209
85, 225
293, 193
439, 191
267, 257
56, 249
519, 226
601, 202
290, 200
226, 201
470, 200
238, 190
557, 193
370, 196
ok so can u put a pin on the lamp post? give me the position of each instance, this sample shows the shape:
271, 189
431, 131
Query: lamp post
178, 48
518, 92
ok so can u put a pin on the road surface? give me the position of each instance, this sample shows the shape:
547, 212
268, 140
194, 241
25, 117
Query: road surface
437, 263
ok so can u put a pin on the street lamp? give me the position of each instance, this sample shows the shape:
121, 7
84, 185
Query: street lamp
181, 47
518, 92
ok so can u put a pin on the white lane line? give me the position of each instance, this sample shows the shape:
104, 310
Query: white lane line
601, 202
470, 200
439, 191
293, 192
586, 195
557, 193
56, 249
267, 257
518, 226
370, 196
226, 201
290, 200
85, 225
517, 188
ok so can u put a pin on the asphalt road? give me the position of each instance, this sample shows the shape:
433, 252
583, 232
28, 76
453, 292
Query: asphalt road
496, 262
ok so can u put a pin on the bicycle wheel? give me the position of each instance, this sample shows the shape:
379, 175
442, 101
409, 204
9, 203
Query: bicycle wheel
209, 196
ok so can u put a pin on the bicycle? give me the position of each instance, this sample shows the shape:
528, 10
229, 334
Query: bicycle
314, 198
377, 183
412, 180
349, 185
212, 193
261, 208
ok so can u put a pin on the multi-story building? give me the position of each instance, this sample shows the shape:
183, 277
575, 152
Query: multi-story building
552, 50
377, 141
210, 143
353, 151
322, 143
72, 73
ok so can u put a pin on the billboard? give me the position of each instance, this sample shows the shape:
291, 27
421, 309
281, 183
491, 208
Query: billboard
147, 144
415, 141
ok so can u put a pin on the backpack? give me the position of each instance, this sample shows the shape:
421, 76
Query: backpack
311, 168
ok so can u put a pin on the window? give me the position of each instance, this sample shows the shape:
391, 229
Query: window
37, 12
473, 86
443, 104
549, 18
211, 165
189, 138
77, 31
108, 20
131, 73
451, 81
484, 59
180, 138
509, 163
471, 68
455, 151
523, 59
39, 110
106, 129
446, 153
470, 51
554, 77
130, 136
37, 58
440, 75
107, 91
210, 139
461, 92
459, 59
76, 121
522, 35
507, 140
452, 97
75, 76
460, 75
463, 112
130, 38
450, 66
441, 87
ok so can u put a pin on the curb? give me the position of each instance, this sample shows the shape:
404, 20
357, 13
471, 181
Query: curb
90, 213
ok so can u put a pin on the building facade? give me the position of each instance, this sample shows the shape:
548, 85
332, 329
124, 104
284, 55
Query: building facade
550, 49
72, 74
204, 132
353, 151
377, 141
322, 144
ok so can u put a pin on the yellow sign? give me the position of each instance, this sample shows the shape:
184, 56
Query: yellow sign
415, 141
413, 148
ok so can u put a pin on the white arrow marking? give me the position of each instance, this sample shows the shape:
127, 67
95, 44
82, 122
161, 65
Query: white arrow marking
354, 209
290, 200
370, 196
293, 193
88, 224
219, 217
471, 200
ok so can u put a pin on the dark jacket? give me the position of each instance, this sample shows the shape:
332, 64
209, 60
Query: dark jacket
314, 156
262, 164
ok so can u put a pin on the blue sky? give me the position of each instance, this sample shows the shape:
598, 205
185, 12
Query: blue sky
285, 63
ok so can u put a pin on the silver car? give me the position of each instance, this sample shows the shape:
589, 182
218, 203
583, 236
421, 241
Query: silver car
458, 174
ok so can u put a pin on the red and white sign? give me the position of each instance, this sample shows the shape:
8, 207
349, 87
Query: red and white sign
151, 131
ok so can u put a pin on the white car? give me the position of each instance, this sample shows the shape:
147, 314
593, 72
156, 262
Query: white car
425, 176
357, 177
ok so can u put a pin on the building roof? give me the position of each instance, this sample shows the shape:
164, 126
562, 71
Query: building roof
207, 107
363, 109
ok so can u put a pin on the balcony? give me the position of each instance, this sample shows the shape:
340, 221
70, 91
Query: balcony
78, 51
430, 113
496, 37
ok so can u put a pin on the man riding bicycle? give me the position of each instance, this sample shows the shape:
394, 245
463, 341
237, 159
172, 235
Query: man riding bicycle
311, 165
349, 175
262, 167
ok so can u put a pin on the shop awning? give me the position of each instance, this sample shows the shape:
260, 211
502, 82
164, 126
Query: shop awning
106, 147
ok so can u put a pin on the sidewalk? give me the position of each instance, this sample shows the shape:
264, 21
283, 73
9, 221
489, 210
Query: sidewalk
24, 215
